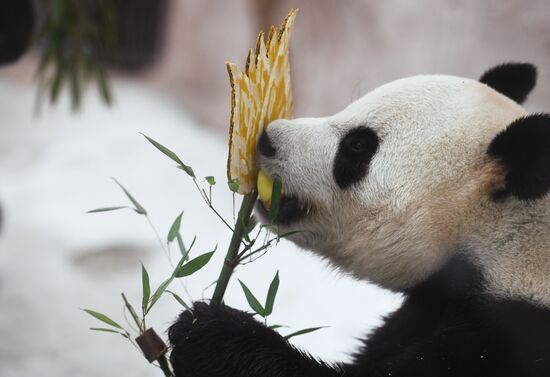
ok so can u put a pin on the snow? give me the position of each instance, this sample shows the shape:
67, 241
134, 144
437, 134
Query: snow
55, 259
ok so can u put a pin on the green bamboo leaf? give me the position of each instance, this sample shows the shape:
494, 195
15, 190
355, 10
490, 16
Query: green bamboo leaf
56, 83
275, 198
184, 252
188, 169
106, 209
146, 288
274, 327
46, 58
180, 300
103, 318
104, 89
252, 300
271, 293
233, 185
194, 265
174, 157
180, 263
57, 11
43, 31
75, 87
175, 228
158, 293
105, 330
193, 244
165, 150
303, 331
138, 208
211, 180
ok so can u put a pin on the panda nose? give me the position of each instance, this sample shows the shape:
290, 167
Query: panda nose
265, 146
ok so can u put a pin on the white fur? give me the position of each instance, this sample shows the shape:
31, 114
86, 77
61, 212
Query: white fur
427, 192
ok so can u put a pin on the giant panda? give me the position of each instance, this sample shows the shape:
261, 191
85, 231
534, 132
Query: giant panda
434, 186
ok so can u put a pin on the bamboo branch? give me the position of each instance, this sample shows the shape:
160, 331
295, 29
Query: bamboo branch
133, 313
231, 258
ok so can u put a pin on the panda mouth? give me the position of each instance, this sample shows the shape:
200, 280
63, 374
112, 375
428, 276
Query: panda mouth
291, 209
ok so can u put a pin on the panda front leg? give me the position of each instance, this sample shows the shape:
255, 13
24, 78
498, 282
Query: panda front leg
214, 340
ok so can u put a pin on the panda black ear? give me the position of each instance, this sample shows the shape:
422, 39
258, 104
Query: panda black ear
514, 80
524, 149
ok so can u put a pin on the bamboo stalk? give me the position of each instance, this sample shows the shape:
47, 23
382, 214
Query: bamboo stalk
164, 366
231, 257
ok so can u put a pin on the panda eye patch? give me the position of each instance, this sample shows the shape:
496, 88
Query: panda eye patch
354, 155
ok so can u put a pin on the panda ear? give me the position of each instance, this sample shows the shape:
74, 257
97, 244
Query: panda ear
514, 80
524, 149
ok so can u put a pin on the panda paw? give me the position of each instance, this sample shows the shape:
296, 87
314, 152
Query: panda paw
216, 340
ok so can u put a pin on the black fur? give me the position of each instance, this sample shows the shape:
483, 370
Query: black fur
445, 328
353, 156
524, 148
16, 26
514, 80
218, 341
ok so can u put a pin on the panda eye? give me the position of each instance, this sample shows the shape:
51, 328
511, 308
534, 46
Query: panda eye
353, 157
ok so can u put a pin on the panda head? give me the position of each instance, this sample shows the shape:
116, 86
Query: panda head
390, 187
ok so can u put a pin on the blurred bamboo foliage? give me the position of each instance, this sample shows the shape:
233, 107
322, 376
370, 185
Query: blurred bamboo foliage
73, 37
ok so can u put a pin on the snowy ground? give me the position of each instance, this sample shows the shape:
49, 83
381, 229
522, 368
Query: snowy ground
55, 259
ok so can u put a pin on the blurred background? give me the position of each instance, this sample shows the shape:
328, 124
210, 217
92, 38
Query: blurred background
80, 80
